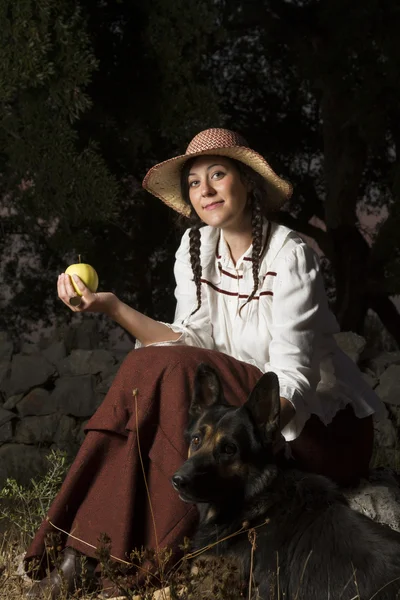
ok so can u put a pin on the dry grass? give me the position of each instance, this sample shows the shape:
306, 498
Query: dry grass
211, 579
22, 510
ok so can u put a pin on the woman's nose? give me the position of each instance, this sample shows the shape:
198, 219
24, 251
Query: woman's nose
206, 188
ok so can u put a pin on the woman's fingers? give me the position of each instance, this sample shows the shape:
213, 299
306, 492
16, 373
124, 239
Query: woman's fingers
79, 284
67, 292
89, 301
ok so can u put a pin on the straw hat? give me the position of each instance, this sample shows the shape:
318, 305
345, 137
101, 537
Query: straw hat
163, 180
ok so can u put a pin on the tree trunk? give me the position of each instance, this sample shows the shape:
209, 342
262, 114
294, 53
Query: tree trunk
387, 312
350, 265
345, 156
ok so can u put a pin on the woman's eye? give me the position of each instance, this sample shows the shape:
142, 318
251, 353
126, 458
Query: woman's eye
193, 183
218, 175
229, 449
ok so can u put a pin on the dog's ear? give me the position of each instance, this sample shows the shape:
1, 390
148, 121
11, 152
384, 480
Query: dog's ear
264, 407
207, 390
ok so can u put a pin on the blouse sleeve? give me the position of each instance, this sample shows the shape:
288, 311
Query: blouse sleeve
297, 307
196, 329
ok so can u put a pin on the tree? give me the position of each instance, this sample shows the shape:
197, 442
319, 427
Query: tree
322, 78
103, 92
47, 176
98, 93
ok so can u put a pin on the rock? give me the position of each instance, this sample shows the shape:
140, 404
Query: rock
55, 352
12, 401
395, 415
378, 498
6, 350
28, 372
5, 416
389, 385
5, 369
83, 335
36, 430
385, 433
101, 361
370, 379
104, 385
6, 432
351, 343
382, 361
21, 463
86, 362
28, 348
120, 355
66, 435
37, 402
75, 395
81, 433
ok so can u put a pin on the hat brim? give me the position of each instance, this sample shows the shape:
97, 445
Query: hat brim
164, 180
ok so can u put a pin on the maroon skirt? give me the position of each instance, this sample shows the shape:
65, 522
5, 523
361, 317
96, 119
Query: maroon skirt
104, 491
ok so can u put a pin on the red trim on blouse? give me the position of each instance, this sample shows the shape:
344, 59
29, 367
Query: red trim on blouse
217, 289
229, 274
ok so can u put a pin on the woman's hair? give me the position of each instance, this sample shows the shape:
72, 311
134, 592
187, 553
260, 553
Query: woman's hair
259, 209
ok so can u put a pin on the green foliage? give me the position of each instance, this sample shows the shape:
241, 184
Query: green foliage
91, 97
102, 95
46, 64
181, 65
24, 508
45, 47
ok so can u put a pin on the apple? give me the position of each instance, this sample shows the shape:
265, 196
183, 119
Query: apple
86, 273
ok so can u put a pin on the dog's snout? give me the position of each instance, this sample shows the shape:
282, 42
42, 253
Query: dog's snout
179, 482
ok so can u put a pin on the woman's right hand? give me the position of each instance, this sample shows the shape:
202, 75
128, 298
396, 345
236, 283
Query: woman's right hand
100, 302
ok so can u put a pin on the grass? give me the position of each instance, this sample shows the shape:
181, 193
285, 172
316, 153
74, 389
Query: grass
23, 508
211, 579
195, 577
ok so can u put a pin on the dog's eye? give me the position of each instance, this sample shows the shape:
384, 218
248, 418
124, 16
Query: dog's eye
195, 440
229, 449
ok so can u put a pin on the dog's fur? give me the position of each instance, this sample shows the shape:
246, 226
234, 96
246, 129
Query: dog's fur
309, 544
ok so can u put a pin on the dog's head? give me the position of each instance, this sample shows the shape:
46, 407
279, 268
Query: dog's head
231, 450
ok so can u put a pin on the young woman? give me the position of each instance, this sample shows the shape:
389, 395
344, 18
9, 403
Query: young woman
250, 299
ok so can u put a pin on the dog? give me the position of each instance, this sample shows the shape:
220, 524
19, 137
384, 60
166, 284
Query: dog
309, 544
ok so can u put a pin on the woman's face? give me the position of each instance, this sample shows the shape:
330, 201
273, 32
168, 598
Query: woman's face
217, 193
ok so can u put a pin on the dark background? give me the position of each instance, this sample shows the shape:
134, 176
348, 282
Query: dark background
91, 97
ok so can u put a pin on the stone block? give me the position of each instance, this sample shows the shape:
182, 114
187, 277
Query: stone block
37, 402
28, 371
75, 395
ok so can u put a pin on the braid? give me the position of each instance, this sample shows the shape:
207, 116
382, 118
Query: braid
194, 251
257, 227
194, 234
259, 209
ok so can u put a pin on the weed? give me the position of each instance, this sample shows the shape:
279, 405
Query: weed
24, 508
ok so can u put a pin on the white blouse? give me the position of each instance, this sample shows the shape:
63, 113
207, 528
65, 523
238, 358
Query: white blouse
287, 328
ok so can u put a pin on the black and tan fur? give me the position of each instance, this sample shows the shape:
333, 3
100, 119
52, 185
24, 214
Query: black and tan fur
309, 544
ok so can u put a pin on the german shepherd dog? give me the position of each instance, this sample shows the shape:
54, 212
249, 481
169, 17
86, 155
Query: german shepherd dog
310, 545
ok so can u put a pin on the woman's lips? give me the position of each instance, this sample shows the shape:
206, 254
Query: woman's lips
213, 205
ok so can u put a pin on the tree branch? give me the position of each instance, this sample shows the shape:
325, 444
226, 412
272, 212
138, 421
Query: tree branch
317, 234
387, 312
313, 205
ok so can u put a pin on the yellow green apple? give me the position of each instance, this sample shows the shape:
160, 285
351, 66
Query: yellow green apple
86, 273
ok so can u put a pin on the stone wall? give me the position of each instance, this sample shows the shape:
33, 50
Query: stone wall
49, 390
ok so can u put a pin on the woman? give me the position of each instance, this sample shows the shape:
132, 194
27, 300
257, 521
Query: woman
250, 298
